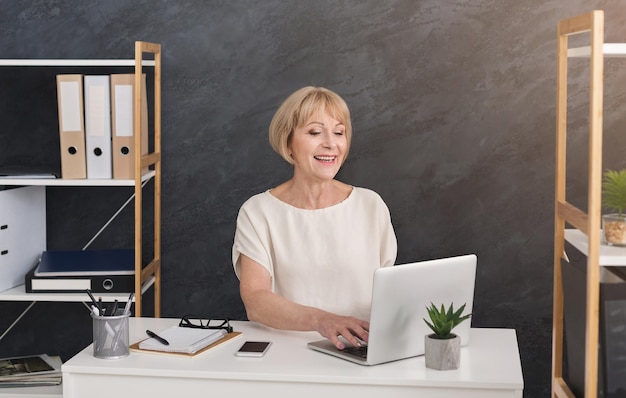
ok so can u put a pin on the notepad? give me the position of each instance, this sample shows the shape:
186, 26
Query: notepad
219, 343
183, 340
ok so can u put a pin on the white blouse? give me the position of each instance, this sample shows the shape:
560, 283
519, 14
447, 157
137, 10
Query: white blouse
324, 258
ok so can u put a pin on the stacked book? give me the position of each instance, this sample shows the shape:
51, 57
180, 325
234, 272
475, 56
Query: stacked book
30, 371
73, 271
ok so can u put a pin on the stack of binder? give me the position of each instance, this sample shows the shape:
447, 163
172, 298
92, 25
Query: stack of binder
101, 271
96, 122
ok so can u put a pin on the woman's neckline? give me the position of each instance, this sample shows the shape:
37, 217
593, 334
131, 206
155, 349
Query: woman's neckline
335, 204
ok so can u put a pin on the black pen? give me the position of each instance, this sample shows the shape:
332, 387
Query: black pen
156, 336
114, 310
93, 300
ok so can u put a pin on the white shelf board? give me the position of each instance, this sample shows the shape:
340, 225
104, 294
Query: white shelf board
609, 255
18, 293
73, 62
608, 49
52, 182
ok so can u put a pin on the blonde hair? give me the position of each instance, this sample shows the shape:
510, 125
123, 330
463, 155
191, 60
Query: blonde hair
298, 108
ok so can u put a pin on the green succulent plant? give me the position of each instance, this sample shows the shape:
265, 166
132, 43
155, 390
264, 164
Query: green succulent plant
444, 321
614, 190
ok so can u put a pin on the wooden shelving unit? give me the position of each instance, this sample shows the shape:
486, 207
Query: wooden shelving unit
145, 275
587, 234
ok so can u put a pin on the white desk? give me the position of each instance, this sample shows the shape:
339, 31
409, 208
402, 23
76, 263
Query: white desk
490, 367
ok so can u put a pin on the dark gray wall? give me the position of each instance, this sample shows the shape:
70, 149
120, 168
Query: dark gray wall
453, 107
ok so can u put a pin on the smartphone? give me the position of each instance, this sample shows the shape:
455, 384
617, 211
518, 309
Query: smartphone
253, 349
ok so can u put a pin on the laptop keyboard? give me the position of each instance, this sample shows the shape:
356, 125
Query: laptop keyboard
358, 351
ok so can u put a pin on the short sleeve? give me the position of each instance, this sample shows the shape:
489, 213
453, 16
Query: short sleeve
251, 239
388, 241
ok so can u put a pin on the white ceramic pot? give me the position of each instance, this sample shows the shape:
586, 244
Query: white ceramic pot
442, 354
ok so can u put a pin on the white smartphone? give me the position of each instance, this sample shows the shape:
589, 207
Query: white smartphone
253, 349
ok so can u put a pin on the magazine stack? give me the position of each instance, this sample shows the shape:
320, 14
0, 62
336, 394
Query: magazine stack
28, 371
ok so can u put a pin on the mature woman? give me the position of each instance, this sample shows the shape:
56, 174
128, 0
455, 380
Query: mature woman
305, 251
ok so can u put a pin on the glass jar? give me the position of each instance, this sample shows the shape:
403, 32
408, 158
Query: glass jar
614, 227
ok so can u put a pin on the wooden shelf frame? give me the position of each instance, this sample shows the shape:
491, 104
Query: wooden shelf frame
589, 222
152, 270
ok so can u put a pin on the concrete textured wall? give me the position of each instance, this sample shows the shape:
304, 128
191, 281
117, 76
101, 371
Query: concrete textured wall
453, 106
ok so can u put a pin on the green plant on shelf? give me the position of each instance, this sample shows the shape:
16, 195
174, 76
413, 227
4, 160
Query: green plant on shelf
614, 190
614, 198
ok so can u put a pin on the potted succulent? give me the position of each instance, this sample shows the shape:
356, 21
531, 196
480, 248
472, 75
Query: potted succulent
614, 198
442, 349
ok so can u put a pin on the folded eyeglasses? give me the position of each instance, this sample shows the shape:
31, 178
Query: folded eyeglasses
193, 321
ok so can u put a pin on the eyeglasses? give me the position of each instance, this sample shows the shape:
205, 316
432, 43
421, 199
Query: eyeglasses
192, 321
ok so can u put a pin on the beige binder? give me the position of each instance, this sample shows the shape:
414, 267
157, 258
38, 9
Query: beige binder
122, 122
71, 126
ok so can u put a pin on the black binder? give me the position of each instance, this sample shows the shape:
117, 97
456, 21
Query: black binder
78, 284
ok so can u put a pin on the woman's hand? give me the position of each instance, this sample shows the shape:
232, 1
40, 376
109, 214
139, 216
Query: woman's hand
352, 329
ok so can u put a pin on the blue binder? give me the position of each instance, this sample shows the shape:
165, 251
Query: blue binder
86, 262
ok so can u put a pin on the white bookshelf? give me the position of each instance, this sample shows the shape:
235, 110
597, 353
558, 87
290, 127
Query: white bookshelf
146, 275
73, 62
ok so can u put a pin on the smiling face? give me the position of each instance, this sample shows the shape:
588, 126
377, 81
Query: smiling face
298, 110
318, 147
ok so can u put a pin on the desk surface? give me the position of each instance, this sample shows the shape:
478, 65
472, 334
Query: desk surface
490, 362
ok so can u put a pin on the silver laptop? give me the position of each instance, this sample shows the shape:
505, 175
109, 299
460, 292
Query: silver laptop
399, 299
